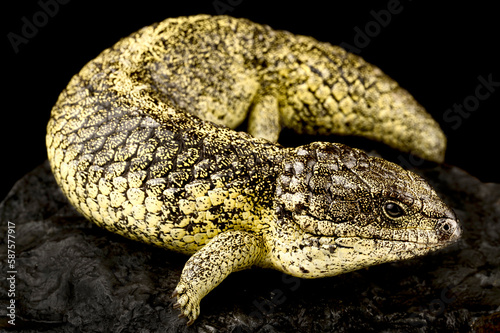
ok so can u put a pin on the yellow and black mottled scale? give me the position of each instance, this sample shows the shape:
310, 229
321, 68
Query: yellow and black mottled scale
139, 167
141, 143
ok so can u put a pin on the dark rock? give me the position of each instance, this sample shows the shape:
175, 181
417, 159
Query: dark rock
75, 277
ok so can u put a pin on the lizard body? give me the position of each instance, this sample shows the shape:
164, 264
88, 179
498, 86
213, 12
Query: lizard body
141, 143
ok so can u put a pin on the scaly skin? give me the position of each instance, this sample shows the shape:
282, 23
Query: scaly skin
133, 144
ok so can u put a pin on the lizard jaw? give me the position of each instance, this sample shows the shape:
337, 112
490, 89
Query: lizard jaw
313, 256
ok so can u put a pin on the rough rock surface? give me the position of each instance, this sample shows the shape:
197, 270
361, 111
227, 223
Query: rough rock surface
75, 277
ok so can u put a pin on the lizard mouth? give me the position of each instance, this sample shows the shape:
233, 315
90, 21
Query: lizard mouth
380, 248
447, 230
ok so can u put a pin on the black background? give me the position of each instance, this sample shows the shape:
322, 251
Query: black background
436, 51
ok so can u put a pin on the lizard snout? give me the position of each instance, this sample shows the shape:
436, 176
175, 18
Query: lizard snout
448, 229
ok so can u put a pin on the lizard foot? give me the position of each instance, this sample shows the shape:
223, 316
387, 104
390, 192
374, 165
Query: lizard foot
225, 253
188, 303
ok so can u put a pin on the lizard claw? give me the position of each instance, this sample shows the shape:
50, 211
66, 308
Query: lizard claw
187, 302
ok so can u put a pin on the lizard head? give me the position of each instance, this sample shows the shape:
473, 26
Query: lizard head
339, 210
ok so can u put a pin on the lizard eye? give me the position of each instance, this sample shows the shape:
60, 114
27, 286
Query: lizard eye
393, 210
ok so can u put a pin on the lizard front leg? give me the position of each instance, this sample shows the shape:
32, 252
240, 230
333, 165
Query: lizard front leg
227, 252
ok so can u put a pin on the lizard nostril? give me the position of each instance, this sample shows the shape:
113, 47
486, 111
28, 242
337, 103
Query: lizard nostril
448, 230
